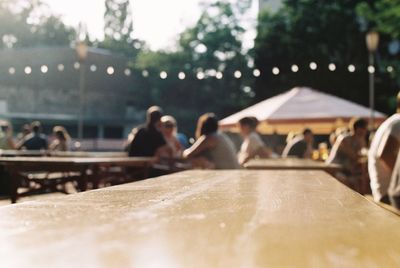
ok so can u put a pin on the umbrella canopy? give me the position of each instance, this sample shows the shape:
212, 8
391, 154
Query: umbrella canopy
302, 107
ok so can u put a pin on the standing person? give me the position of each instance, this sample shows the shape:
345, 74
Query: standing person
346, 151
212, 149
169, 131
300, 146
382, 155
62, 138
252, 145
6, 138
147, 140
34, 141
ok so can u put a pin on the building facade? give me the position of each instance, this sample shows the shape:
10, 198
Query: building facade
43, 84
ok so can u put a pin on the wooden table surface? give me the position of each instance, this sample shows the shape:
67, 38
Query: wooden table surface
290, 163
237, 218
21, 153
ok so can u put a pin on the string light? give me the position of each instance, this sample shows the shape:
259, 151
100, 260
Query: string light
110, 70
256, 72
295, 68
332, 67
77, 65
200, 75
237, 74
145, 73
351, 68
28, 70
11, 70
219, 75
93, 68
127, 72
275, 70
181, 75
60, 67
44, 69
163, 75
390, 69
313, 66
371, 69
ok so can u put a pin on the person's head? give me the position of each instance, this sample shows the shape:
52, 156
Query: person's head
61, 133
26, 129
153, 117
206, 125
308, 135
169, 125
36, 127
5, 126
247, 125
359, 127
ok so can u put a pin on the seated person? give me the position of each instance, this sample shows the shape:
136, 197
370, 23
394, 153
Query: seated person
382, 155
347, 152
300, 146
62, 138
212, 149
394, 187
252, 145
35, 140
147, 140
169, 131
6, 138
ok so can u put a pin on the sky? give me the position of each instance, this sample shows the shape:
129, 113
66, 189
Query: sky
158, 22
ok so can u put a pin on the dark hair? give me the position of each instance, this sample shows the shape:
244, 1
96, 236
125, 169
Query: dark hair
249, 121
154, 114
36, 126
206, 125
307, 131
359, 123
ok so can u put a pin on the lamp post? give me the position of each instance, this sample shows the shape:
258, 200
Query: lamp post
372, 40
82, 53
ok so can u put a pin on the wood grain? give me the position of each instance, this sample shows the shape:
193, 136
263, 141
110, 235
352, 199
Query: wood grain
204, 219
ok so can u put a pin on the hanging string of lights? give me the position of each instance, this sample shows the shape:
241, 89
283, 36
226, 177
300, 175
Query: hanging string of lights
200, 75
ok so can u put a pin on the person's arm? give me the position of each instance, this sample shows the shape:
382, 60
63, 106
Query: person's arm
202, 144
389, 152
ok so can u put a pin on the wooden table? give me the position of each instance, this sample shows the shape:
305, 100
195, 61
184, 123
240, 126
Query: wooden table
12, 153
244, 218
291, 163
16, 165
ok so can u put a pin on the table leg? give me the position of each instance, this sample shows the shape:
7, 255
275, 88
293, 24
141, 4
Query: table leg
14, 184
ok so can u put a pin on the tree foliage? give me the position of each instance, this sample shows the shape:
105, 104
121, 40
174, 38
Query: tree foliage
28, 24
322, 32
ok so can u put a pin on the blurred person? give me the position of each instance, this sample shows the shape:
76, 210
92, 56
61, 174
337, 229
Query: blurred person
347, 151
382, 155
394, 187
147, 140
252, 145
61, 141
169, 131
6, 138
35, 140
300, 146
25, 131
212, 148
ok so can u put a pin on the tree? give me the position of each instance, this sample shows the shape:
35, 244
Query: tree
315, 31
24, 24
118, 28
213, 46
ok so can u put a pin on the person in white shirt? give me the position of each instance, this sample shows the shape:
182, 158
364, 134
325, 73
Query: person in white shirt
382, 155
252, 145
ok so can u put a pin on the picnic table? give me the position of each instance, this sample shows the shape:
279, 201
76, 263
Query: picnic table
241, 218
291, 163
17, 166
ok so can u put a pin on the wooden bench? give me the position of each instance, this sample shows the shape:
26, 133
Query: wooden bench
19, 169
243, 218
